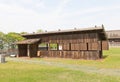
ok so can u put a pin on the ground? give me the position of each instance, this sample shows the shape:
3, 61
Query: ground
65, 70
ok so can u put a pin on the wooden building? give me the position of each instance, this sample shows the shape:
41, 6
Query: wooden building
114, 38
85, 43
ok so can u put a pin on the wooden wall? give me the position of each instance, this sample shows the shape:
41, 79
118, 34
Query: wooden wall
80, 41
71, 38
33, 48
105, 45
72, 54
76, 46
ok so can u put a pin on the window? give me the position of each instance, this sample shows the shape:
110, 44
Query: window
42, 46
53, 46
60, 47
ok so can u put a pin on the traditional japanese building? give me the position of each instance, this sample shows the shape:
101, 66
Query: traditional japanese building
114, 38
87, 43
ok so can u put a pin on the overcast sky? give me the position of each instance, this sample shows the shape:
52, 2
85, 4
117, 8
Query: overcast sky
31, 15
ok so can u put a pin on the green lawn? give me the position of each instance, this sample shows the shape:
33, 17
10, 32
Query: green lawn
24, 72
30, 72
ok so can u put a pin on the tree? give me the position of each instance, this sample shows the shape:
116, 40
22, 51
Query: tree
23, 33
39, 31
11, 38
2, 40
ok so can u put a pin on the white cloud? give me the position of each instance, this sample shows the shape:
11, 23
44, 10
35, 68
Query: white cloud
14, 17
40, 5
27, 1
59, 9
14, 9
91, 10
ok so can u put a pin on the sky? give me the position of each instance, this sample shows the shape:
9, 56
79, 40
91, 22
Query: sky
51, 15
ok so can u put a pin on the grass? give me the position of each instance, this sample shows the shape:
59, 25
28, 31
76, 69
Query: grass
24, 72
29, 72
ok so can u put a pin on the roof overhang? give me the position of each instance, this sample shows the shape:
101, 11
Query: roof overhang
98, 29
66, 31
28, 41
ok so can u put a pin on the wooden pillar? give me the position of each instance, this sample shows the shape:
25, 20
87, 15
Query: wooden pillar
101, 53
28, 50
48, 49
57, 46
48, 46
69, 46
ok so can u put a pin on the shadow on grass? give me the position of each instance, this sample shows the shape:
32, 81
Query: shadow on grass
105, 56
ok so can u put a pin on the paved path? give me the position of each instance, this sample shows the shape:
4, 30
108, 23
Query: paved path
115, 72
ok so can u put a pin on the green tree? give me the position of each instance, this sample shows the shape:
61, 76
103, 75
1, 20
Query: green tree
2, 40
39, 31
11, 38
23, 33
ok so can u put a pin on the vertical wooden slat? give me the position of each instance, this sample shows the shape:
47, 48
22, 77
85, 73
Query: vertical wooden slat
105, 45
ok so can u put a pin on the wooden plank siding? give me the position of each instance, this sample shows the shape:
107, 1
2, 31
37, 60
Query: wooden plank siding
75, 38
71, 54
33, 50
94, 46
105, 45
79, 46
